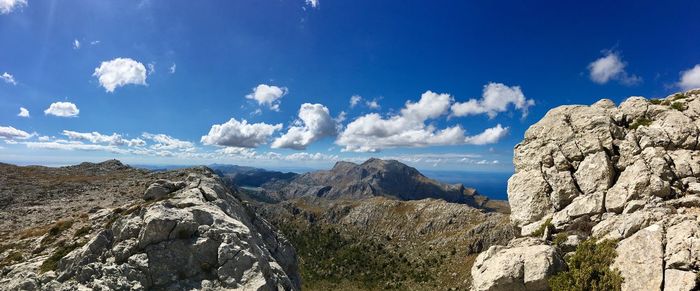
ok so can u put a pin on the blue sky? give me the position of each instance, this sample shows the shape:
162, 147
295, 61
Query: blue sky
171, 82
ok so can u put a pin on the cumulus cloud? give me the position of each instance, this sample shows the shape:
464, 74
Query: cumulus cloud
373, 104
173, 68
690, 79
354, 100
489, 136
166, 142
120, 72
96, 137
76, 44
62, 109
611, 67
312, 3
304, 156
372, 132
7, 77
314, 122
11, 133
23, 112
268, 95
7, 6
242, 134
496, 98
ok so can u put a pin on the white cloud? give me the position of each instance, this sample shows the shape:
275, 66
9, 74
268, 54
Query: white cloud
489, 136
314, 122
7, 77
151, 68
166, 142
304, 156
268, 95
312, 3
690, 79
496, 98
76, 44
373, 104
611, 67
62, 109
95, 42
120, 72
237, 152
372, 132
240, 134
96, 137
23, 112
71, 146
173, 68
354, 100
7, 6
9, 132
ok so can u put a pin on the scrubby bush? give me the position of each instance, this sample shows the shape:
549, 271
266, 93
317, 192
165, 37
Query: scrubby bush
540, 231
589, 269
640, 122
656, 101
678, 106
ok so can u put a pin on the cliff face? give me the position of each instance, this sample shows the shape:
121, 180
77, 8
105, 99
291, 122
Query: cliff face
187, 230
628, 173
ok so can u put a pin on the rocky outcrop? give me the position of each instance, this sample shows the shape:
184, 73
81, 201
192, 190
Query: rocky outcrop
185, 234
628, 173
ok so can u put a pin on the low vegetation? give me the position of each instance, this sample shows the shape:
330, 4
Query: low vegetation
546, 225
640, 122
330, 259
589, 269
678, 106
62, 249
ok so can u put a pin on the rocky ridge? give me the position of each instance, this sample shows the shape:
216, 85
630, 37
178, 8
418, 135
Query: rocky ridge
186, 231
627, 173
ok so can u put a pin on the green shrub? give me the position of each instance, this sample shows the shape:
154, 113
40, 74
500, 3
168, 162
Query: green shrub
82, 231
61, 251
559, 239
589, 269
678, 106
540, 231
640, 122
679, 96
656, 101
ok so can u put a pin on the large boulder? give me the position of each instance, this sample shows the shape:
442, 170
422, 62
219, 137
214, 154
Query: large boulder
640, 259
524, 264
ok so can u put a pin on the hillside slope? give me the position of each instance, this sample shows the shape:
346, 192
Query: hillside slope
108, 226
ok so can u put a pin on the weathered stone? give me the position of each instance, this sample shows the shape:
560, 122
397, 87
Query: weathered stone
524, 264
595, 173
640, 259
528, 196
677, 280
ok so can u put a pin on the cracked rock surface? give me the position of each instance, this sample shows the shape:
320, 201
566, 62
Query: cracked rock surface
627, 172
187, 231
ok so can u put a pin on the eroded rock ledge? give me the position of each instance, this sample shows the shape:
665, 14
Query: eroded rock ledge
628, 173
187, 234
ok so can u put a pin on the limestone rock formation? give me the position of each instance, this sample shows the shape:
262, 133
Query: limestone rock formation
627, 173
187, 232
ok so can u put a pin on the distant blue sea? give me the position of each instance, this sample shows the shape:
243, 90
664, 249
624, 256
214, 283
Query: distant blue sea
492, 185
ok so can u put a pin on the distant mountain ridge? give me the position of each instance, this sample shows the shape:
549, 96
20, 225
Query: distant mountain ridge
374, 177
